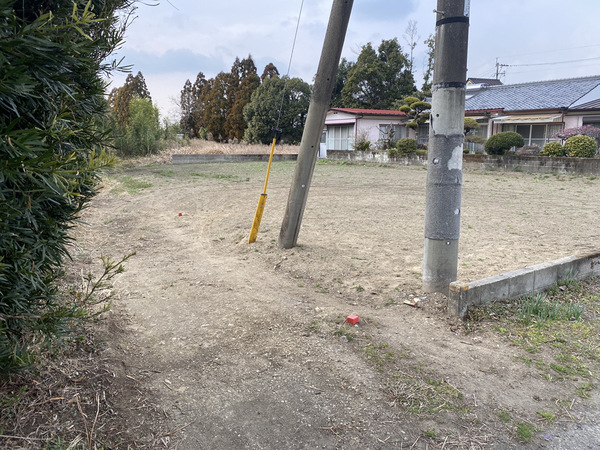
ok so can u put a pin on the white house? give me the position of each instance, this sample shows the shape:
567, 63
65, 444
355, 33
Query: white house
346, 126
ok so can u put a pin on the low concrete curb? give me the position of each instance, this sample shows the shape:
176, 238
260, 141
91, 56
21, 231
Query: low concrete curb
213, 158
521, 282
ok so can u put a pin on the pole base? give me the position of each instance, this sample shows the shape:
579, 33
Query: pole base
440, 266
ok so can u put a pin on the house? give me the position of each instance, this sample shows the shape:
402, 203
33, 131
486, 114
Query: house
344, 127
483, 81
537, 110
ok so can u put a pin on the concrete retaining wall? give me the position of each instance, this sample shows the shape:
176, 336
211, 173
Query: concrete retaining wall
377, 157
217, 158
581, 166
515, 284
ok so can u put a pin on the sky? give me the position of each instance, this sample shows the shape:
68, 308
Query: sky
171, 41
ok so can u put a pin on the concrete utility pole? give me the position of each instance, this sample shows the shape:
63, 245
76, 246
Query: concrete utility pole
446, 136
317, 111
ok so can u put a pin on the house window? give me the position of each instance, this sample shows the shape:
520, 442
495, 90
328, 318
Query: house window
592, 120
535, 134
340, 137
423, 134
390, 133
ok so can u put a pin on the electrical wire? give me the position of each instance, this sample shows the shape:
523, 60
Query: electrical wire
551, 63
287, 75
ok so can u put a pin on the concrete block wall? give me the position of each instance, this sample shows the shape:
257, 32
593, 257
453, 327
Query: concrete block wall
510, 162
217, 158
521, 282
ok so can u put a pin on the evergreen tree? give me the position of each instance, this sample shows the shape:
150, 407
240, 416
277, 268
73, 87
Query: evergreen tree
244, 82
120, 98
340, 81
262, 112
187, 103
378, 78
269, 72
216, 106
199, 92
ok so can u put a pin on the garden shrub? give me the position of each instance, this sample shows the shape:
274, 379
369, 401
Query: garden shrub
406, 146
552, 149
500, 143
362, 144
581, 147
52, 136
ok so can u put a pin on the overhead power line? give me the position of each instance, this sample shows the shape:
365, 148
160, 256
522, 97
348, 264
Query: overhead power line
551, 63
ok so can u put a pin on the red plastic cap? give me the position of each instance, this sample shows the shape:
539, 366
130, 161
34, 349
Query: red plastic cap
352, 319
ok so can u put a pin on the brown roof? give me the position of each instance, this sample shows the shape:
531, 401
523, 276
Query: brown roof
369, 112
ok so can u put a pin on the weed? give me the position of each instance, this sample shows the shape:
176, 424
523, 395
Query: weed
420, 395
315, 326
540, 309
321, 289
584, 390
345, 332
430, 434
359, 288
560, 327
548, 417
503, 415
525, 431
375, 354
165, 173
130, 185
218, 176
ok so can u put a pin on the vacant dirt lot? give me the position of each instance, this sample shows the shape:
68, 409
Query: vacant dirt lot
245, 346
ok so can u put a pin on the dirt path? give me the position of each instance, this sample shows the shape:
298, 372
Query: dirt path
244, 346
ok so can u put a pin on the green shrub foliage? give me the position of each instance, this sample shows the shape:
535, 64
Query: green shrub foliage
581, 147
143, 134
500, 143
553, 149
406, 146
51, 151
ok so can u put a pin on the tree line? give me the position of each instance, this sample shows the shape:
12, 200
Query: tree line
241, 105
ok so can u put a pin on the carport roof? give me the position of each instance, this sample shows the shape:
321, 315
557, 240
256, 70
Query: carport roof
540, 95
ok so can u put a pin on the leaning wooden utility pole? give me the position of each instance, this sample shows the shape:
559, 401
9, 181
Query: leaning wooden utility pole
315, 120
446, 136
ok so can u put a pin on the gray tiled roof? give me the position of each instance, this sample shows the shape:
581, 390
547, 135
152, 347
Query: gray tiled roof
594, 104
553, 94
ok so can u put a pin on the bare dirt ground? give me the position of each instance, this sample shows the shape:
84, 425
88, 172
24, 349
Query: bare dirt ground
245, 346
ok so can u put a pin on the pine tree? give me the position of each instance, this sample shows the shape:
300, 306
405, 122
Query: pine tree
244, 72
199, 92
187, 103
269, 72
215, 106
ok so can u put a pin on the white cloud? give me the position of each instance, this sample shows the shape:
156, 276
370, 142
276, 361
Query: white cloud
175, 40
